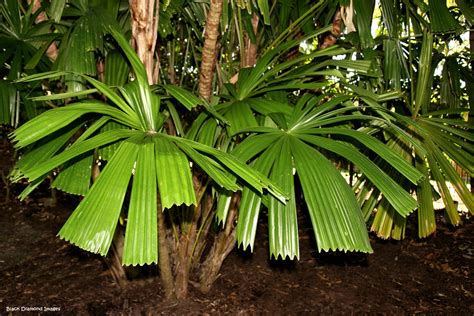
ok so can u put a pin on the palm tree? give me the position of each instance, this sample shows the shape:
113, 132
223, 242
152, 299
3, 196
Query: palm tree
270, 114
433, 114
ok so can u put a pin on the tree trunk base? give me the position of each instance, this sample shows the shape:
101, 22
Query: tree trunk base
222, 247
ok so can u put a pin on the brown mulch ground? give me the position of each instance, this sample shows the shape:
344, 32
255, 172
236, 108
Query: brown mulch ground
37, 270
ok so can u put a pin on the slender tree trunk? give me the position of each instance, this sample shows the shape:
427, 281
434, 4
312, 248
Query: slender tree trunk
114, 260
251, 48
182, 267
331, 38
166, 273
52, 51
209, 51
223, 245
145, 15
250, 52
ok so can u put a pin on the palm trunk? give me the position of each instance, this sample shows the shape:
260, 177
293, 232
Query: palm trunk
145, 15
52, 51
166, 273
331, 38
251, 48
224, 243
209, 51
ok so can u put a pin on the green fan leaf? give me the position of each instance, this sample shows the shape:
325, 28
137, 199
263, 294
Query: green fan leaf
141, 237
211, 168
76, 150
400, 164
426, 215
251, 200
52, 120
400, 199
174, 174
282, 219
334, 211
92, 225
254, 179
75, 178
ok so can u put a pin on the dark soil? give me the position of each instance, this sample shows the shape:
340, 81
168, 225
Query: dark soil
39, 271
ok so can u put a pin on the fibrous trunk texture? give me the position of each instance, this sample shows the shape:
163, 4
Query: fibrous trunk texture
209, 51
251, 48
331, 38
182, 267
145, 14
224, 243
164, 262
114, 259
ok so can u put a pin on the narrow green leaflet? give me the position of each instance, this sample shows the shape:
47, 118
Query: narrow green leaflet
65, 95
240, 117
176, 118
450, 175
208, 133
144, 95
264, 10
255, 144
92, 225
116, 69
381, 149
211, 168
334, 211
388, 223
400, 199
441, 19
56, 10
43, 151
174, 174
141, 237
185, 97
75, 178
251, 200
52, 120
7, 101
426, 215
282, 219
423, 82
223, 205
255, 179
43, 125
266, 107
75, 150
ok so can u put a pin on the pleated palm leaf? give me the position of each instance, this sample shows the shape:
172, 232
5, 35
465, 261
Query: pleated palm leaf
438, 139
439, 129
248, 101
296, 145
23, 44
260, 96
83, 40
157, 161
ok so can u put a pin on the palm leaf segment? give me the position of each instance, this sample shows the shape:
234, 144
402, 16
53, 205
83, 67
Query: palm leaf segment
157, 161
23, 45
292, 139
440, 129
282, 151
